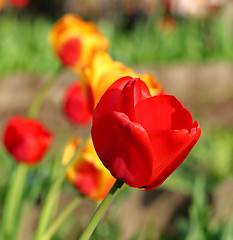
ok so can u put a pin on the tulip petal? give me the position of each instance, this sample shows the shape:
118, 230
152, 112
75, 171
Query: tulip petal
69, 53
88, 174
85, 177
124, 148
19, 3
134, 91
76, 106
170, 148
163, 112
30, 149
122, 96
110, 99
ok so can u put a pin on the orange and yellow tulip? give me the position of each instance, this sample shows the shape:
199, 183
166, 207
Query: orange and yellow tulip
87, 173
2, 4
75, 41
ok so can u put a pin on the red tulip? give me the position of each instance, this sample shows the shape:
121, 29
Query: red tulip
26, 139
139, 138
76, 106
19, 3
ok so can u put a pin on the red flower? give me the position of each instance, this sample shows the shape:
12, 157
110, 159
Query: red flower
69, 53
76, 106
19, 3
139, 138
26, 139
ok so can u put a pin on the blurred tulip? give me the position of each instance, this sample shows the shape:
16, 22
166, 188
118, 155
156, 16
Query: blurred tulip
19, 3
2, 4
139, 138
103, 71
167, 24
70, 150
215, 5
89, 175
76, 106
26, 139
75, 41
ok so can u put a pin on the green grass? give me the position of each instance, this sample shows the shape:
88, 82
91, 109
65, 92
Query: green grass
199, 226
24, 46
193, 40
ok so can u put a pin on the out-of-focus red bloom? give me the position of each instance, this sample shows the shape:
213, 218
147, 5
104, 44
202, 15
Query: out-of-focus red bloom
19, 3
26, 139
168, 24
139, 138
75, 105
215, 5
87, 173
75, 41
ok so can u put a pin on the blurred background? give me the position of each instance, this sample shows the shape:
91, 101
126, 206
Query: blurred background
188, 46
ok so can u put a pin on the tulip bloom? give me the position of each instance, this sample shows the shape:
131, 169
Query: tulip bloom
26, 140
76, 41
103, 71
2, 4
139, 138
75, 106
19, 3
88, 174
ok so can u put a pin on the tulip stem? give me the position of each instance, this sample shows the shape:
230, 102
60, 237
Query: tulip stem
37, 101
12, 201
48, 207
52, 196
61, 218
86, 234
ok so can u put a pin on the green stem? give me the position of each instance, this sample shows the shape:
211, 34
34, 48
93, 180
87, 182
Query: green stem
101, 210
61, 218
36, 103
12, 201
48, 207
